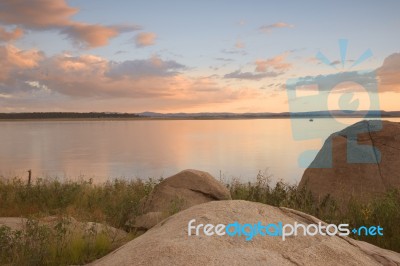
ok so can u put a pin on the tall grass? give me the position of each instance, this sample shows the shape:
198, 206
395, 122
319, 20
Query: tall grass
116, 202
112, 203
55, 244
383, 210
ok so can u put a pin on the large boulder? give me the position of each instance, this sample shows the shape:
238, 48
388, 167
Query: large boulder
178, 192
362, 181
168, 242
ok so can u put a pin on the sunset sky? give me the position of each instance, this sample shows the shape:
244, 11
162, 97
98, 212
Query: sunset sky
186, 56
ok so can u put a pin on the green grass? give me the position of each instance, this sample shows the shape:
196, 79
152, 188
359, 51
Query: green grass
38, 244
112, 203
383, 211
116, 202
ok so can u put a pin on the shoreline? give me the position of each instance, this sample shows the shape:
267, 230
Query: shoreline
182, 118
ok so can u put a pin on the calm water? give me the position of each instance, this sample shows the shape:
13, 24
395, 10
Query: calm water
154, 148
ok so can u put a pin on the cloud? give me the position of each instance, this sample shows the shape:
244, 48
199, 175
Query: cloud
14, 59
276, 63
29, 80
339, 62
239, 45
145, 68
56, 15
36, 14
250, 76
270, 27
6, 36
233, 51
145, 39
85, 75
223, 59
88, 35
327, 82
84, 64
389, 74
127, 27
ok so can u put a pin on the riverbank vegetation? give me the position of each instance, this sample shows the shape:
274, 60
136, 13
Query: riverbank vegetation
116, 202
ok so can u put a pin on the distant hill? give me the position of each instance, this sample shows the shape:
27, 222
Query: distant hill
204, 115
65, 115
336, 113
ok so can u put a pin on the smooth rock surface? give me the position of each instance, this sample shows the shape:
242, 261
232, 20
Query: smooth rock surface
178, 192
168, 242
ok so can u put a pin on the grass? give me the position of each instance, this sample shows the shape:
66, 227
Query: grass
383, 211
114, 203
40, 244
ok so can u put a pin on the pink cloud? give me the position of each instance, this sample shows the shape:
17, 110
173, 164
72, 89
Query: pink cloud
88, 35
87, 78
86, 64
389, 74
14, 59
145, 39
277, 63
10, 35
56, 15
36, 14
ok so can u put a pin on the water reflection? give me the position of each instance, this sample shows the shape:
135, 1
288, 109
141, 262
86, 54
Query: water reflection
154, 148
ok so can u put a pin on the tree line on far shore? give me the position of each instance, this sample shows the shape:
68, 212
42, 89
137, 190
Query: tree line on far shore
65, 115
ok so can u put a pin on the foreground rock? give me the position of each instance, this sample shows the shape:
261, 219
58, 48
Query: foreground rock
362, 181
168, 242
179, 192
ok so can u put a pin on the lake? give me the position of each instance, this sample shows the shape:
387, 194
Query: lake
106, 149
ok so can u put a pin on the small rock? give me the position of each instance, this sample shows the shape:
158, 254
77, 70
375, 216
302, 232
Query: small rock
179, 192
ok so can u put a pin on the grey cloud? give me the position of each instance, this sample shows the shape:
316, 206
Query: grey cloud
250, 76
144, 68
223, 59
327, 82
240, 52
270, 27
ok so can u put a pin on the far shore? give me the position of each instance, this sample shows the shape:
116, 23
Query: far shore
115, 116
181, 118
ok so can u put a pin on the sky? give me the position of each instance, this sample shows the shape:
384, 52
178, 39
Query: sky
197, 56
